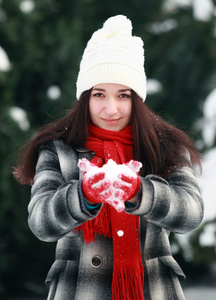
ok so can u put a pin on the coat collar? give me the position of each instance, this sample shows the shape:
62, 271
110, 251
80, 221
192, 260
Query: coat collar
82, 150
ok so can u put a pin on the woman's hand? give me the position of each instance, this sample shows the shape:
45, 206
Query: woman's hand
126, 187
112, 183
96, 188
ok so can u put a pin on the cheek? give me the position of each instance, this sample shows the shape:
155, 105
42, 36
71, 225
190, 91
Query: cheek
91, 107
127, 110
94, 109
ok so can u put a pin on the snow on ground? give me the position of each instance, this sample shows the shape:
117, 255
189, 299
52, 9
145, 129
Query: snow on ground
200, 293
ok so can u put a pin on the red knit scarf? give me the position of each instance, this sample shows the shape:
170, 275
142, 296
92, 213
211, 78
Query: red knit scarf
128, 273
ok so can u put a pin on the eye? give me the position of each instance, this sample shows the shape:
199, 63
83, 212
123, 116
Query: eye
124, 95
99, 95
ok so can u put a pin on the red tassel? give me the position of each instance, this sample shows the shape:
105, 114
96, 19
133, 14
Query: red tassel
99, 225
127, 283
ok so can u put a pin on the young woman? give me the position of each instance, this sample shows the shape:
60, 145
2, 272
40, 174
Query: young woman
102, 253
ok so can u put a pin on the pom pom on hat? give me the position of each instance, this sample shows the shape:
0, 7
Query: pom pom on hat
118, 24
113, 55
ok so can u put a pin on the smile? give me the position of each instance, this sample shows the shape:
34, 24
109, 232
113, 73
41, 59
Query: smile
111, 121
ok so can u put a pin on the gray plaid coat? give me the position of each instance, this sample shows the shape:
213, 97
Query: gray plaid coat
84, 272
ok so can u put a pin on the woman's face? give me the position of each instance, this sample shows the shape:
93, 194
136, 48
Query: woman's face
110, 106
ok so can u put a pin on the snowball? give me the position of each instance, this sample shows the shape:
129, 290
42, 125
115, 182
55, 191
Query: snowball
112, 170
113, 173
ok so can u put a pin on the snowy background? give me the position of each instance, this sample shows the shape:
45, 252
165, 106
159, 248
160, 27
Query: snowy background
202, 10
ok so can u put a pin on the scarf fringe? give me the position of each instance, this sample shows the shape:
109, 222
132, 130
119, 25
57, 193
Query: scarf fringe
127, 283
99, 225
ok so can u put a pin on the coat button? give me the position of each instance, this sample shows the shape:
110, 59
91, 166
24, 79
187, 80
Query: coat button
96, 261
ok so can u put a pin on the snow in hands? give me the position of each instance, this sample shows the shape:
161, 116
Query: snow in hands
112, 183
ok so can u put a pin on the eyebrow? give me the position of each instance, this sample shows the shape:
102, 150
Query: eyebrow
102, 90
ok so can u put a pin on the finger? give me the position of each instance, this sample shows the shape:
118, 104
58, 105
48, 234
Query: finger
95, 178
101, 185
127, 178
122, 187
119, 194
120, 184
84, 164
105, 195
134, 165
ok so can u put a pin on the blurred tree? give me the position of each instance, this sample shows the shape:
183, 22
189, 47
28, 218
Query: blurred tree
44, 41
183, 60
18, 251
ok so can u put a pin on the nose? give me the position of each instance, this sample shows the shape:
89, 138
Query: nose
111, 106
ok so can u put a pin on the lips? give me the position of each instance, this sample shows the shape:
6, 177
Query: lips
111, 120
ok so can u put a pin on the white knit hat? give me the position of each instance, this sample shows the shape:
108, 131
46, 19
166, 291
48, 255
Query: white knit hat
113, 55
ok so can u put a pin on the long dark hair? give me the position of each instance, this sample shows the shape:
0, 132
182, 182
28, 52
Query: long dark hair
157, 144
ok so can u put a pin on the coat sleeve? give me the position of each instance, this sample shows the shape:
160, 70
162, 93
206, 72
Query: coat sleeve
174, 204
56, 205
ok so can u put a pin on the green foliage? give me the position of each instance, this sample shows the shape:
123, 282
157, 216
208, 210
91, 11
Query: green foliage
18, 246
44, 47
